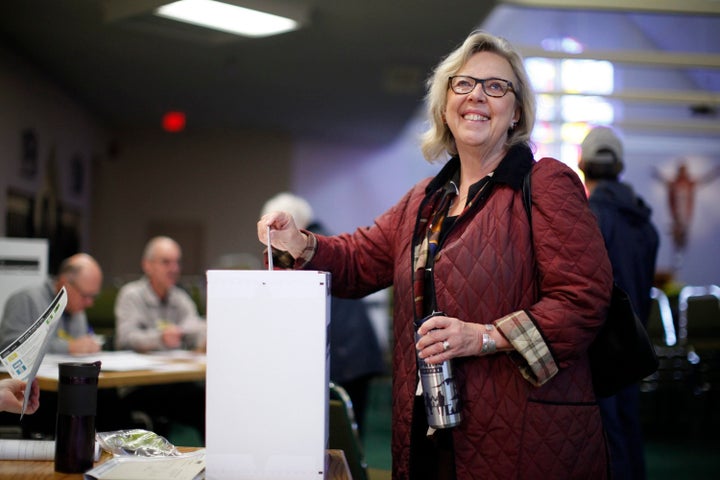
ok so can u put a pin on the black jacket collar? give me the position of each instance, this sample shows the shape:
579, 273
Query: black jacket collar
510, 171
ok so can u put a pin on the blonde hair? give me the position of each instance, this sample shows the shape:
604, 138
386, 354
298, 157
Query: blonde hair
438, 139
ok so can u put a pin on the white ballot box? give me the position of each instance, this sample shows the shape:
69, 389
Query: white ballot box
267, 374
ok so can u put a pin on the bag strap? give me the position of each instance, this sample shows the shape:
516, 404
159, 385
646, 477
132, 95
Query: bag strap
527, 202
527, 197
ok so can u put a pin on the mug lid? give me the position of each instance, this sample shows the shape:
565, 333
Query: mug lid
79, 369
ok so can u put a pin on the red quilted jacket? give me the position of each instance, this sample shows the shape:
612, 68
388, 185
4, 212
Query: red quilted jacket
521, 419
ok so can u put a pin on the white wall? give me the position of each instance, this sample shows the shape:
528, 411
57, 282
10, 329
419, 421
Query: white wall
63, 129
348, 187
218, 180
215, 181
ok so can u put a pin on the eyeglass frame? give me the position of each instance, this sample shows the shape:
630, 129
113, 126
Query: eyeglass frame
82, 294
481, 81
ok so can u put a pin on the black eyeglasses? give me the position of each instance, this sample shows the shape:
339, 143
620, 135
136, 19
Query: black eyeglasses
493, 87
84, 294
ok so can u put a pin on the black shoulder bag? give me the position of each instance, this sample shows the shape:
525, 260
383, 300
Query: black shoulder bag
622, 353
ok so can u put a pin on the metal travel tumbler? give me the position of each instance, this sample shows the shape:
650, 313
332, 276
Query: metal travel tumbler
442, 402
75, 427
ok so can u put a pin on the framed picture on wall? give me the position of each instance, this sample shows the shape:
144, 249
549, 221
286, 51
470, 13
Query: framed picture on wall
19, 215
29, 155
64, 235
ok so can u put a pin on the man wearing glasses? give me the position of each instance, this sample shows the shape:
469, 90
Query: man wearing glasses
82, 277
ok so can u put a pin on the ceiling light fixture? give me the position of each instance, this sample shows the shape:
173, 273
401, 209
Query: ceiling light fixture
227, 18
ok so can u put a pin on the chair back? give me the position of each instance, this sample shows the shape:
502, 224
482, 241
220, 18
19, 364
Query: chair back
660, 326
343, 432
699, 316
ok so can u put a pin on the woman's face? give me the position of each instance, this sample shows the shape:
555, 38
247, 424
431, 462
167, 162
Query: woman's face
476, 119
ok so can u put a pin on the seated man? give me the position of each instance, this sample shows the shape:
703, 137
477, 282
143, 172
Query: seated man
154, 314
82, 277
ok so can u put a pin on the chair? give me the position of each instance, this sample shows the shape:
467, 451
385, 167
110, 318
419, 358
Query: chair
699, 334
661, 330
101, 316
660, 322
699, 316
343, 432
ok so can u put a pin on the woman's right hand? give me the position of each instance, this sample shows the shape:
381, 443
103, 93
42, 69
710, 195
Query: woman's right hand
284, 233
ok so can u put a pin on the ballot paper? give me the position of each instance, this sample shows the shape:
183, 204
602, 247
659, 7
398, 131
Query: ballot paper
188, 466
23, 357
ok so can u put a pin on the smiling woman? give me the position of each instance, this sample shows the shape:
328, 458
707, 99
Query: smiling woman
460, 243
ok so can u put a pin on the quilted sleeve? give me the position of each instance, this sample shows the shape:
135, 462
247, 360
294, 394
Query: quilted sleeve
363, 262
574, 272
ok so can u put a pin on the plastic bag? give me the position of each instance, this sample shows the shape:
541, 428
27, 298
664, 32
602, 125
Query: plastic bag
136, 442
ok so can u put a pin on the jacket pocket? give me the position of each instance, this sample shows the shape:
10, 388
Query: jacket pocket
562, 441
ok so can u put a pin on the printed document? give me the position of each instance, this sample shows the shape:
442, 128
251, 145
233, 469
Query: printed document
23, 357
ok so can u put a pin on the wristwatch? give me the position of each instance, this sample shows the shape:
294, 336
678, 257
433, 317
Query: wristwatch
488, 345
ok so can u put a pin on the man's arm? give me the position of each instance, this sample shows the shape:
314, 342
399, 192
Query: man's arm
19, 313
192, 325
134, 327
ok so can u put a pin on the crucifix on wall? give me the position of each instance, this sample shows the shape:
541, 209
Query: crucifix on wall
681, 191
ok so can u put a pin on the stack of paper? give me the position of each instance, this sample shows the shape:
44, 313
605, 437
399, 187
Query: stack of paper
189, 466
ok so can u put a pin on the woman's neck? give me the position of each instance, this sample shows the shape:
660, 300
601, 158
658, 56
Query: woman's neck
475, 165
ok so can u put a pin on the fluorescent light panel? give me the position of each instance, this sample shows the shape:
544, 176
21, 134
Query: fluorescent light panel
227, 18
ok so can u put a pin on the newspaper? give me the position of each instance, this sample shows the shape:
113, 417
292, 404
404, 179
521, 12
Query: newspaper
23, 357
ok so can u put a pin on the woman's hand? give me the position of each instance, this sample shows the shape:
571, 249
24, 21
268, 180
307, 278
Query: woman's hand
443, 338
284, 233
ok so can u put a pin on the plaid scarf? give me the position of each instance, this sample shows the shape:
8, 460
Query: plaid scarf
425, 251
434, 214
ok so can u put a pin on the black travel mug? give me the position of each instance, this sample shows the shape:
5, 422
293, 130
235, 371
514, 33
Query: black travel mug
77, 407
442, 402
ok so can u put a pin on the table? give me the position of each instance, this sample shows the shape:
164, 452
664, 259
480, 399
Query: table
154, 369
171, 369
45, 470
133, 378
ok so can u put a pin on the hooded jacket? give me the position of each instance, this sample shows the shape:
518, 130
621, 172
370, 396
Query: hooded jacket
529, 414
631, 239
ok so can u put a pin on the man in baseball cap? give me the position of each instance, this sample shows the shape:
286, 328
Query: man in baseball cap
632, 244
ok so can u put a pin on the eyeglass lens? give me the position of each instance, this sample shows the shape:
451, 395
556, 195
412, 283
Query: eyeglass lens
493, 87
